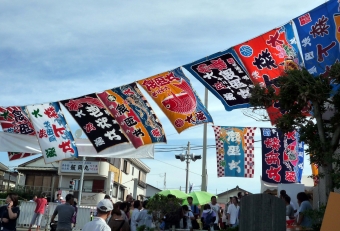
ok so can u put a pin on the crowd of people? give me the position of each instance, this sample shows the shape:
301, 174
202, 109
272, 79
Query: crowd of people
130, 214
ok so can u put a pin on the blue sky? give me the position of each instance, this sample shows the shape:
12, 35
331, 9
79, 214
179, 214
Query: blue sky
51, 51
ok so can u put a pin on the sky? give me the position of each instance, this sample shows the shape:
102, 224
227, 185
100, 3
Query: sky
50, 51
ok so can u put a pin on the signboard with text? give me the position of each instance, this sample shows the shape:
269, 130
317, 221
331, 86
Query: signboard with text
76, 166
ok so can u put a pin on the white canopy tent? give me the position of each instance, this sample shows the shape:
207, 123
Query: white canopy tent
10, 142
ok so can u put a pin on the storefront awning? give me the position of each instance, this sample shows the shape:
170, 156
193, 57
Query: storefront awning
10, 142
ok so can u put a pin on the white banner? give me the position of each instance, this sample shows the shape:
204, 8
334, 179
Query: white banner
76, 166
55, 139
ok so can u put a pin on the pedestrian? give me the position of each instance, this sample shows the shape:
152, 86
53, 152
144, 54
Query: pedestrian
117, 222
304, 205
289, 208
283, 193
188, 217
216, 208
194, 208
10, 212
124, 209
233, 212
74, 217
208, 217
104, 208
239, 197
144, 218
34, 198
39, 211
65, 213
59, 198
137, 207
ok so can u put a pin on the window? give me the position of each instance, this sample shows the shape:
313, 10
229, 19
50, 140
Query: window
87, 186
133, 170
114, 191
126, 167
121, 194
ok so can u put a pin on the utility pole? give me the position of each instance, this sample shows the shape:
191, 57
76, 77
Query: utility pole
204, 159
187, 157
164, 180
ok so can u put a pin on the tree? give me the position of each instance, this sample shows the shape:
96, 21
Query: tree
300, 92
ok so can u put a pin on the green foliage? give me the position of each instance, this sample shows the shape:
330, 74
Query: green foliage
231, 229
144, 228
160, 205
300, 92
317, 216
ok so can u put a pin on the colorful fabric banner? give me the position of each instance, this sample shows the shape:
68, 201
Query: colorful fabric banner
54, 136
319, 35
97, 123
173, 93
16, 120
225, 76
282, 156
134, 114
267, 56
235, 151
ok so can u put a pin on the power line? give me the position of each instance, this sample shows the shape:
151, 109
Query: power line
176, 167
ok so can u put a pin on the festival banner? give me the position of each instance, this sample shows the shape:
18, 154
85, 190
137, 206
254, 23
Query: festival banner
267, 56
319, 35
134, 114
54, 136
16, 120
282, 156
173, 93
97, 123
235, 151
225, 76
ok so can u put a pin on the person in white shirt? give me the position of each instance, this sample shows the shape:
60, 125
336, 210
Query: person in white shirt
188, 216
104, 209
216, 208
232, 213
135, 213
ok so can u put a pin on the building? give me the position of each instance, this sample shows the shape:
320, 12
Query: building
223, 197
113, 176
8, 179
151, 190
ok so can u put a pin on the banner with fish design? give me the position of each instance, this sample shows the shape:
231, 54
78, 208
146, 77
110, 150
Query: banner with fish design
16, 120
235, 151
319, 35
267, 56
225, 76
282, 156
134, 114
54, 135
173, 93
96, 121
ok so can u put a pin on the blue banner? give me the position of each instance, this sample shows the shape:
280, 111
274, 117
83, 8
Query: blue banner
319, 36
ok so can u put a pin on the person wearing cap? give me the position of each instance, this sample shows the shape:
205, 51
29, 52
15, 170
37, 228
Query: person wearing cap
104, 209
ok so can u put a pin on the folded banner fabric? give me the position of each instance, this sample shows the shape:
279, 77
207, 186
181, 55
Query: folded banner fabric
16, 120
235, 151
54, 136
30, 144
282, 156
267, 56
225, 76
134, 114
173, 93
319, 35
97, 123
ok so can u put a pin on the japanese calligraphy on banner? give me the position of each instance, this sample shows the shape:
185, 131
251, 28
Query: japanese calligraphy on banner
235, 151
267, 56
319, 35
133, 113
173, 93
54, 136
97, 123
16, 120
282, 156
76, 166
224, 75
